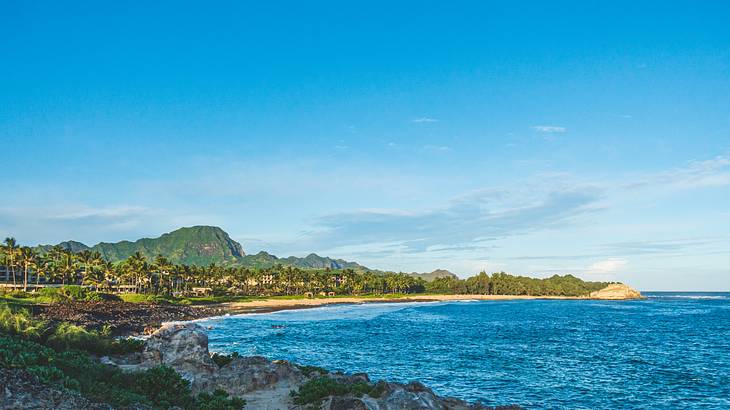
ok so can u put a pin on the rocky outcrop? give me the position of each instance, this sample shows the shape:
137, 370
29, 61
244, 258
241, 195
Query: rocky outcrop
184, 347
21, 390
397, 396
616, 291
266, 384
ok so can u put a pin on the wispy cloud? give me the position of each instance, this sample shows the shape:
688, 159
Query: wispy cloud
436, 148
89, 224
424, 120
84, 212
550, 129
468, 221
607, 266
695, 174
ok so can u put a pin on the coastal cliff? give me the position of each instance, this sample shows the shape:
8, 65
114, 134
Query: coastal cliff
616, 291
277, 385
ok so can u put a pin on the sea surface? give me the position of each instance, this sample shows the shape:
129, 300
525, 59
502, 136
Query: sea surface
669, 351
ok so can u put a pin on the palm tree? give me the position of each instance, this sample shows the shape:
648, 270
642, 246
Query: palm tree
41, 266
67, 266
164, 268
90, 260
136, 266
27, 258
11, 247
108, 273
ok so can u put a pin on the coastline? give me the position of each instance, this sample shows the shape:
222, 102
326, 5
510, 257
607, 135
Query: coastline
275, 305
135, 319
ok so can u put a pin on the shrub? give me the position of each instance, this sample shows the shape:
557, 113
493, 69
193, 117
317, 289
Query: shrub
309, 370
219, 401
19, 294
74, 292
68, 336
19, 322
316, 390
222, 359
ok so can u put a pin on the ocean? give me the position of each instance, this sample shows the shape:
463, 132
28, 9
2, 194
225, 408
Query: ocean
671, 350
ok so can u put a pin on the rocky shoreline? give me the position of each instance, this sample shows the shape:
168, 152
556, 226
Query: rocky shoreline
269, 385
123, 318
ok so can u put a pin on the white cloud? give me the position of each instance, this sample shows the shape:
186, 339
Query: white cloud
424, 120
550, 129
607, 266
713, 172
436, 148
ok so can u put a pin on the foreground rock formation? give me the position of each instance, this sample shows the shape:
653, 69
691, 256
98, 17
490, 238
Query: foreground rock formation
266, 384
21, 390
616, 291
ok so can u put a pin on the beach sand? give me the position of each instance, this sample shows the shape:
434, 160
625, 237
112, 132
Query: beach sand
272, 305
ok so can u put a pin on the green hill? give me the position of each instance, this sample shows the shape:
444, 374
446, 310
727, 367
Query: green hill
197, 245
438, 273
72, 246
311, 261
202, 245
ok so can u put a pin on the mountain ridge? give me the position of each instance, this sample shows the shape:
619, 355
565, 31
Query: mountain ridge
202, 245
430, 276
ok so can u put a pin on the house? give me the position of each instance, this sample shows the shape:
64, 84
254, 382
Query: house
202, 291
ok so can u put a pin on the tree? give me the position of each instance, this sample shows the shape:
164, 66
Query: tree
67, 266
11, 248
27, 259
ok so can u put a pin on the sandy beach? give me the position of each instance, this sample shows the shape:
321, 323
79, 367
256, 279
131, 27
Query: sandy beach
272, 305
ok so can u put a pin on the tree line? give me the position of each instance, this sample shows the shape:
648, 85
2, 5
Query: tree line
27, 266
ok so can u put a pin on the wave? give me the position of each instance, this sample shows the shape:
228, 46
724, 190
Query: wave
698, 297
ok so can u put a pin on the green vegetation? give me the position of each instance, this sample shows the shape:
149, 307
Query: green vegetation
65, 336
199, 246
316, 390
503, 284
223, 359
159, 280
61, 357
309, 370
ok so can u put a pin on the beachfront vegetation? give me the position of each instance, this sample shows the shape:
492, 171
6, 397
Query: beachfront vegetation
61, 356
87, 276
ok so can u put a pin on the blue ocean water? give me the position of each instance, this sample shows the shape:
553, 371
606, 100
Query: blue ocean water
669, 351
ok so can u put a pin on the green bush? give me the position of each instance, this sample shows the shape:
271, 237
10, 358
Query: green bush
67, 336
19, 322
309, 370
19, 294
158, 388
61, 356
222, 359
316, 390
219, 400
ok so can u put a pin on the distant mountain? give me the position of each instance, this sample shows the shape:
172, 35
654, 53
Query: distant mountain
203, 245
438, 273
311, 261
72, 246
314, 261
197, 245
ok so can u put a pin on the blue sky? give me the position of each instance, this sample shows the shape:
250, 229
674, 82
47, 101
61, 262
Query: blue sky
531, 137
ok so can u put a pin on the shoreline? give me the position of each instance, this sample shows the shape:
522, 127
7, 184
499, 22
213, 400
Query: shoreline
277, 305
138, 319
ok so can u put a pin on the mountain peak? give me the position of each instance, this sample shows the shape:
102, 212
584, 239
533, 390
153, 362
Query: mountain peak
195, 245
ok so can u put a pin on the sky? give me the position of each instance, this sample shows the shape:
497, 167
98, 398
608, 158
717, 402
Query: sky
530, 137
